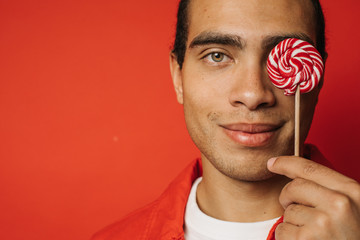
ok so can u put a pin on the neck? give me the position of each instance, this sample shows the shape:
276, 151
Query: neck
228, 199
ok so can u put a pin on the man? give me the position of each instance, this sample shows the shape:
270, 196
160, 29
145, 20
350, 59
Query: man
243, 126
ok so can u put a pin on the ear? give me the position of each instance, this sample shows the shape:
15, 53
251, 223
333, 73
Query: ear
325, 57
321, 83
176, 77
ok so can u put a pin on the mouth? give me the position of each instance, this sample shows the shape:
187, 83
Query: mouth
251, 135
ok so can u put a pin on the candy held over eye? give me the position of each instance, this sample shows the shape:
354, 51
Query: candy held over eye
295, 62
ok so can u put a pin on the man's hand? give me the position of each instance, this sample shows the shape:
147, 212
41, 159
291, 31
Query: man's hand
319, 203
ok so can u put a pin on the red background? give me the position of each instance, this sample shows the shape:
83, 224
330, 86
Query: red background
90, 127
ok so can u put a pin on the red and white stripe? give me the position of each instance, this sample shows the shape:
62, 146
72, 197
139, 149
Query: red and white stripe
292, 62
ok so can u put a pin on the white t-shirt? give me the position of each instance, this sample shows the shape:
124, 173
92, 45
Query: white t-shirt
199, 226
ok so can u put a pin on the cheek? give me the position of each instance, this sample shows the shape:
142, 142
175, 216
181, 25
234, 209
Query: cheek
286, 104
206, 82
203, 100
203, 91
197, 113
308, 104
196, 104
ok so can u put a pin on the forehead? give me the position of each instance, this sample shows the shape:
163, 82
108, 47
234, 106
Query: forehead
251, 19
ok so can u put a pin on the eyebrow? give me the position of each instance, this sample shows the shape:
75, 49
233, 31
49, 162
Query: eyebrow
207, 38
271, 41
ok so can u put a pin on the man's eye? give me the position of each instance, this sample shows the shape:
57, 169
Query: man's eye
217, 57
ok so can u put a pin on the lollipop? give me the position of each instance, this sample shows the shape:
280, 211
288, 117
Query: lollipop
294, 62
297, 67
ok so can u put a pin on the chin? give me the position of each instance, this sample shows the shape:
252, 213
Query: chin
255, 176
248, 174
242, 169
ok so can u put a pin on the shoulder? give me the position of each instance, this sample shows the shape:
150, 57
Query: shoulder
132, 226
163, 217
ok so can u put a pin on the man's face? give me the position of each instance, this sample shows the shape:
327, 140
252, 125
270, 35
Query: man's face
234, 114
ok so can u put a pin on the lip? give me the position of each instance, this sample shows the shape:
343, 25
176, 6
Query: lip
251, 135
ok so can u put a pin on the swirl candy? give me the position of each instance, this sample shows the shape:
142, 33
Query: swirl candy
295, 62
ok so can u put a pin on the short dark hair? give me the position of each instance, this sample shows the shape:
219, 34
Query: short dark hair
182, 30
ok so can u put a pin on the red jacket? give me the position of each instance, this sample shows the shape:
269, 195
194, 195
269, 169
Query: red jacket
164, 218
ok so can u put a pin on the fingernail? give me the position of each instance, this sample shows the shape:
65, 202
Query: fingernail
271, 161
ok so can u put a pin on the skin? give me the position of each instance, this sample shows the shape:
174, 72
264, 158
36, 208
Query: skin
223, 83
319, 203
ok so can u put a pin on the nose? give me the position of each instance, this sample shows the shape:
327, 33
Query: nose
252, 88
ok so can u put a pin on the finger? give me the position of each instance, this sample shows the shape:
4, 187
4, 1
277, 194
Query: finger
305, 192
296, 167
300, 215
286, 231
325, 203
